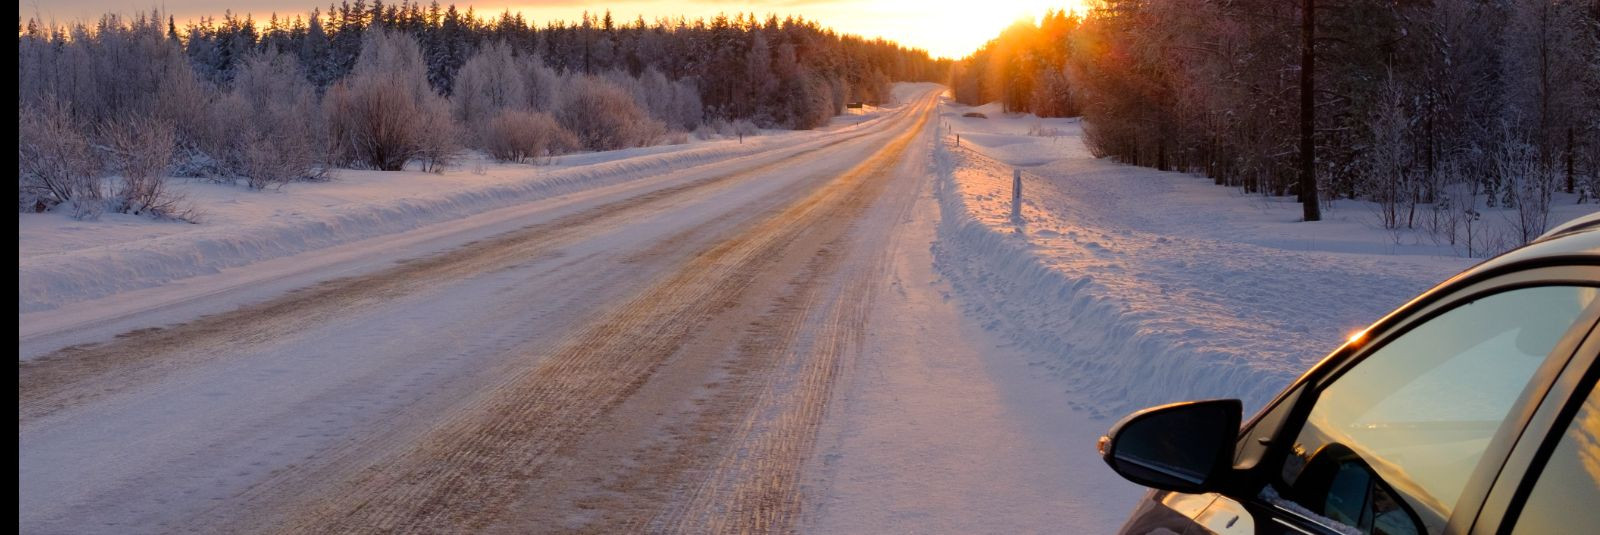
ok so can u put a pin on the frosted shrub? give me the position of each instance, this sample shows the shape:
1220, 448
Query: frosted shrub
372, 123
439, 140
140, 150
384, 114
605, 117
520, 136
1528, 186
265, 129
262, 164
56, 164
721, 127
706, 131
279, 147
745, 128
1040, 130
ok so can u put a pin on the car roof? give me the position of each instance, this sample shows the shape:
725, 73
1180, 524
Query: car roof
1576, 224
1574, 241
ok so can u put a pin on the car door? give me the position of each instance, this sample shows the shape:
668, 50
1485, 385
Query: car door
1407, 428
1550, 482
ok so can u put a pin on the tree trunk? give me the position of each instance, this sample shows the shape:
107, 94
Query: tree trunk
1570, 168
1308, 115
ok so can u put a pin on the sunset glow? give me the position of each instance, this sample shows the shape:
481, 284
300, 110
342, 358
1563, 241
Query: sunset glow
942, 27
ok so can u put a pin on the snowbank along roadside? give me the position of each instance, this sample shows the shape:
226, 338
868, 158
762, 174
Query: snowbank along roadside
1136, 287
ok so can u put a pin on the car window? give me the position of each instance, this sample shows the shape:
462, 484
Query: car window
1564, 498
1389, 445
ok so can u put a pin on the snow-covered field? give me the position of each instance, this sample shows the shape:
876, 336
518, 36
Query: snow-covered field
1136, 287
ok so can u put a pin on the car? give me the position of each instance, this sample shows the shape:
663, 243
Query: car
1471, 409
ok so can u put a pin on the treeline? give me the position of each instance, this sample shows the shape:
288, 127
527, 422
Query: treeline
1024, 69
385, 86
1434, 110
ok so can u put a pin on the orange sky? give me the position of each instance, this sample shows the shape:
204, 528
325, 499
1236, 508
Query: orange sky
943, 27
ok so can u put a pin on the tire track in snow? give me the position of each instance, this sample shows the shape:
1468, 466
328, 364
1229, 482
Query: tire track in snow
754, 488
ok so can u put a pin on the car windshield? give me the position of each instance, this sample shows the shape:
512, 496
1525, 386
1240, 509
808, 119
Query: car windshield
1420, 410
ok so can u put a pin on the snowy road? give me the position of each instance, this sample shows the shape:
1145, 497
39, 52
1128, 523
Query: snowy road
660, 357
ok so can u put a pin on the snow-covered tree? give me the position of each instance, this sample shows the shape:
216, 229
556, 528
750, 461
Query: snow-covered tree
491, 81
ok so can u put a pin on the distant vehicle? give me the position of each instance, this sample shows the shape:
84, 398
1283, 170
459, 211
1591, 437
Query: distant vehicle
975, 115
1471, 409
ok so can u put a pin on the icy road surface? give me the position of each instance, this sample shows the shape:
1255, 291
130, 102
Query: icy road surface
757, 343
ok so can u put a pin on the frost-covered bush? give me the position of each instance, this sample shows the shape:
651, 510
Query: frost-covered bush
520, 136
56, 162
385, 115
373, 123
706, 131
439, 140
605, 117
140, 151
1528, 186
724, 128
273, 135
119, 92
745, 128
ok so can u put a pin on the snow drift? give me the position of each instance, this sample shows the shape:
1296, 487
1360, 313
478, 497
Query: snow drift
1128, 317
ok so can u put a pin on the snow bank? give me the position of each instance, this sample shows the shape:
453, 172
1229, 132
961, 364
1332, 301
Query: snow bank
1103, 347
1134, 299
63, 261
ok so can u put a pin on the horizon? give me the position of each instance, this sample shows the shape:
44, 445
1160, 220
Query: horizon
945, 29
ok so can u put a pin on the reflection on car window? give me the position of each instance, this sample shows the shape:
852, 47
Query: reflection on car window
1389, 445
1565, 497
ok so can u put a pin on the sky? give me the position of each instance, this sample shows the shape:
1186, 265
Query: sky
942, 27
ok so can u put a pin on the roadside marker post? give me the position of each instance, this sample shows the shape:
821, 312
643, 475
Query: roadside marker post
1016, 193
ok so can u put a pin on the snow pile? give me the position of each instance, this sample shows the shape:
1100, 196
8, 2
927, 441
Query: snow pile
64, 261
1138, 287
1118, 353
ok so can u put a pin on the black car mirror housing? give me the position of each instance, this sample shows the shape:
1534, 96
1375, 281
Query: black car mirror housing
1184, 447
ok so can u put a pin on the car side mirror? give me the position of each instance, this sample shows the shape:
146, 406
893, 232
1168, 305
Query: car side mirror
1184, 447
